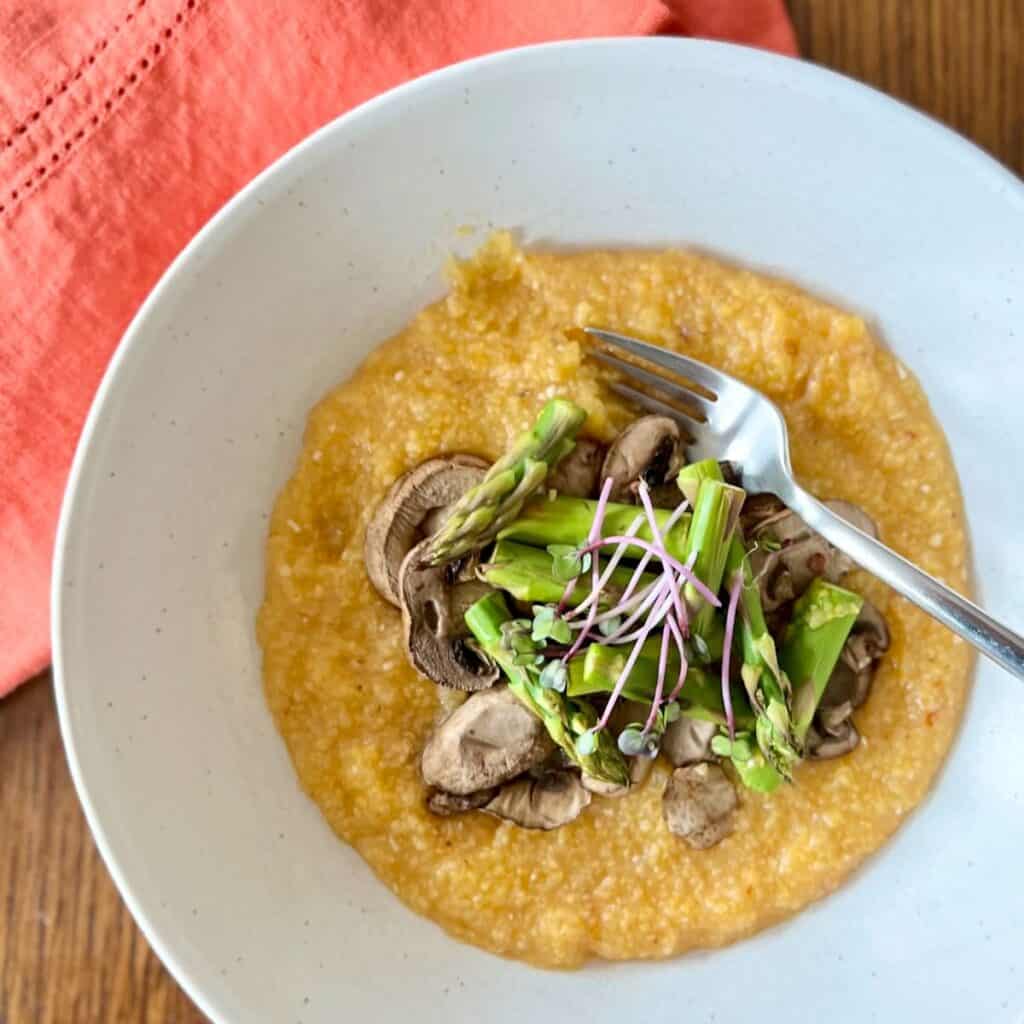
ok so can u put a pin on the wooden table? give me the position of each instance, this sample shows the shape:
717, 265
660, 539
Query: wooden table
69, 951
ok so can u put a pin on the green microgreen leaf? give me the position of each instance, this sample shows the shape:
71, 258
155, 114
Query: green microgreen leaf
633, 741
721, 745
554, 676
607, 627
742, 749
548, 624
568, 562
586, 743
543, 617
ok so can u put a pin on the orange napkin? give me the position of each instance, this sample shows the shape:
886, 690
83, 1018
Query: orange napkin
124, 124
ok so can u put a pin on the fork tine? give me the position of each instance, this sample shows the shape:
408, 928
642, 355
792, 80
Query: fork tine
700, 374
655, 405
696, 405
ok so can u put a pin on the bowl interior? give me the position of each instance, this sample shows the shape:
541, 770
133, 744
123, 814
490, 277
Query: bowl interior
258, 909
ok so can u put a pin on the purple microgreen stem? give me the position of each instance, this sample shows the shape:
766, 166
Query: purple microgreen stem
659, 542
659, 686
684, 666
624, 675
667, 560
594, 594
594, 537
730, 625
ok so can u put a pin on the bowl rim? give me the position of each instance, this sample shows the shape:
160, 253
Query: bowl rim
797, 70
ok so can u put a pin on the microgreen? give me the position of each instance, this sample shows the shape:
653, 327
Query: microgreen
586, 743
635, 742
554, 676
517, 640
568, 562
739, 749
549, 625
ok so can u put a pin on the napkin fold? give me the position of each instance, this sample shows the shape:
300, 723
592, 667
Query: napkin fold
124, 124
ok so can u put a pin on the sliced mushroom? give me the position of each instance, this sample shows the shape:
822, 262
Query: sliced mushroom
601, 787
698, 805
850, 681
463, 596
578, 474
649, 449
823, 746
487, 741
446, 805
688, 741
639, 770
833, 720
435, 636
795, 555
406, 514
545, 803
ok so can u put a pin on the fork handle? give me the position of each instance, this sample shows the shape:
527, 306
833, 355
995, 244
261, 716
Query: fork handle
998, 642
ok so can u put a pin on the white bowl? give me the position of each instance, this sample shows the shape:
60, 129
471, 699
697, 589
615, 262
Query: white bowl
254, 905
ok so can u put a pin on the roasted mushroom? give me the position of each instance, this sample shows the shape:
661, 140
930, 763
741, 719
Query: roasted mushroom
791, 554
435, 635
446, 805
823, 744
545, 803
688, 741
409, 512
487, 741
578, 474
698, 805
851, 679
649, 449
832, 732
602, 787
639, 770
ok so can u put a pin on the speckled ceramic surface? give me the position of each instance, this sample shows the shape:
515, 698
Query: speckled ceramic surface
260, 912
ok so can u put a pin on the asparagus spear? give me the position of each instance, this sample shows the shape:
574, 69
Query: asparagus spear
597, 669
482, 511
716, 512
565, 718
822, 620
527, 574
756, 773
767, 686
690, 477
561, 520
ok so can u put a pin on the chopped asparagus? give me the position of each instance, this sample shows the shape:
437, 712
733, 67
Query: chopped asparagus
716, 513
482, 511
756, 773
692, 476
822, 620
767, 686
565, 718
597, 669
560, 520
526, 573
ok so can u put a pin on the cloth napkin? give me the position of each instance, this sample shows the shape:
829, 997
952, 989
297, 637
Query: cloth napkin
124, 124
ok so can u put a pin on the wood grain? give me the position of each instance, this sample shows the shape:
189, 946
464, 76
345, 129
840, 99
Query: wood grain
962, 61
69, 950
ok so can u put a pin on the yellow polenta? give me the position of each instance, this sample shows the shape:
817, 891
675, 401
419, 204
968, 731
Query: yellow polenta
468, 374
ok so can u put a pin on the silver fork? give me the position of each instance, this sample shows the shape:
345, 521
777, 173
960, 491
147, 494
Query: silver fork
732, 421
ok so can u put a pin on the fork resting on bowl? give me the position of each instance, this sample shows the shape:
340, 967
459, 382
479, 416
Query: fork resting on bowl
724, 418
